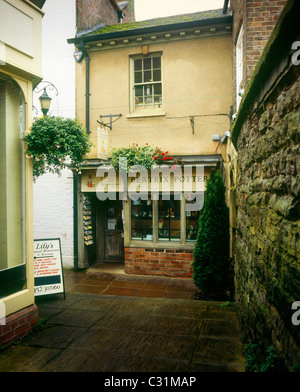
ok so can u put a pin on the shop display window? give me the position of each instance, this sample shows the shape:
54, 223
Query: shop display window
141, 220
169, 220
191, 222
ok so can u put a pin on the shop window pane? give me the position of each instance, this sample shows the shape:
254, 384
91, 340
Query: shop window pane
141, 220
169, 219
12, 177
191, 222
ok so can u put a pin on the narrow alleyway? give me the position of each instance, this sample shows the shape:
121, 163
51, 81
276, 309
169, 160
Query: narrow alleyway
136, 324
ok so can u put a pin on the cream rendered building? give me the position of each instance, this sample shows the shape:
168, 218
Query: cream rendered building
20, 71
166, 82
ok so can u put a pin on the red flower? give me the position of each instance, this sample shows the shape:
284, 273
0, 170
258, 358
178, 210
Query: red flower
162, 153
170, 158
164, 158
166, 152
154, 157
146, 144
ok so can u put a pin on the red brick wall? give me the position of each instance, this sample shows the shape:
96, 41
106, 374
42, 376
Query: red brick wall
90, 13
18, 325
258, 19
93, 12
160, 262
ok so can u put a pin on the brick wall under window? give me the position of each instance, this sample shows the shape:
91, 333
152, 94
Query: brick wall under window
160, 262
18, 324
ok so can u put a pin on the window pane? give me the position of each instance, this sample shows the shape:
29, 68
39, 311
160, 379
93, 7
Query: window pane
138, 65
138, 77
156, 75
191, 222
148, 90
147, 76
169, 219
141, 220
156, 62
157, 89
147, 63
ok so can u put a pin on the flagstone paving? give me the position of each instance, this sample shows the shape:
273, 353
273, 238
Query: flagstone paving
92, 332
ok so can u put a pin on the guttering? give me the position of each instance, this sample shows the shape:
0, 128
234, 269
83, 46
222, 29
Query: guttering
151, 29
225, 7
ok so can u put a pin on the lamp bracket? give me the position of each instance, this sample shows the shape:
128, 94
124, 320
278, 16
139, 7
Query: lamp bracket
110, 122
51, 86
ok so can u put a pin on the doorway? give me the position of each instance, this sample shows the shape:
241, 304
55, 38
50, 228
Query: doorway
111, 231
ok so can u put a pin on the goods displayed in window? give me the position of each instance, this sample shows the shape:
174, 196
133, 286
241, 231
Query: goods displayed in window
147, 82
169, 220
191, 223
141, 220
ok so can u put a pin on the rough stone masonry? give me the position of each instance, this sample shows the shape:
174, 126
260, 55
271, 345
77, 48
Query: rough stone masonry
267, 267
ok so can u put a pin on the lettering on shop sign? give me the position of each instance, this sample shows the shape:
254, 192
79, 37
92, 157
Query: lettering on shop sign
138, 182
48, 270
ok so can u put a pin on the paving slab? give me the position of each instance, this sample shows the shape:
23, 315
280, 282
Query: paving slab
88, 332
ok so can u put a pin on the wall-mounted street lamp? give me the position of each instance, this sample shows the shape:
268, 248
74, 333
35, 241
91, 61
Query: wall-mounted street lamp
79, 55
45, 100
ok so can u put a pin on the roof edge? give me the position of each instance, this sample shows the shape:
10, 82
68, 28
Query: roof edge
151, 29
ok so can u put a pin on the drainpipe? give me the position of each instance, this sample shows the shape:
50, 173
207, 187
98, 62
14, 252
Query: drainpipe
87, 93
75, 179
225, 7
75, 220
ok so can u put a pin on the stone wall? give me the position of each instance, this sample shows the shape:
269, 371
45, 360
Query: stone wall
266, 135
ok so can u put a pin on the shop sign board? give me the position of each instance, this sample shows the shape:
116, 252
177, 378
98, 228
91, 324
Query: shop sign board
48, 269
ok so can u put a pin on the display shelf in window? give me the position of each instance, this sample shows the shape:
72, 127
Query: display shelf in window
141, 220
169, 220
88, 221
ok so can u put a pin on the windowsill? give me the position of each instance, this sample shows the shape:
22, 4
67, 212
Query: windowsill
147, 113
161, 244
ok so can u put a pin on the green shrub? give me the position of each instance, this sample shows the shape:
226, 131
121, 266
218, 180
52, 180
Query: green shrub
211, 264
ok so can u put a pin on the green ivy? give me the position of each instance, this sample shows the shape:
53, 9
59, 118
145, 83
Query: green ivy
53, 141
260, 362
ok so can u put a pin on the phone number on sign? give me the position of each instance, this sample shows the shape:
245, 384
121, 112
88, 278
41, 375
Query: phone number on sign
47, 289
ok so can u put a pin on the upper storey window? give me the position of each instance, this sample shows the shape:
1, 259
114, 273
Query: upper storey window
146, 88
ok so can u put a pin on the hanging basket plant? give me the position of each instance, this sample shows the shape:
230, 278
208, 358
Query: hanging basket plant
146, 156
55, 143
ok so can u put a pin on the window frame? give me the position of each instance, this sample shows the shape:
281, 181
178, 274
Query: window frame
156, 108
239, 63
156, 241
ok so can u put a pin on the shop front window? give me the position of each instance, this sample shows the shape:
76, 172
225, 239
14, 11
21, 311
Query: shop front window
141, 220
191, 221
169, 219
12, 182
